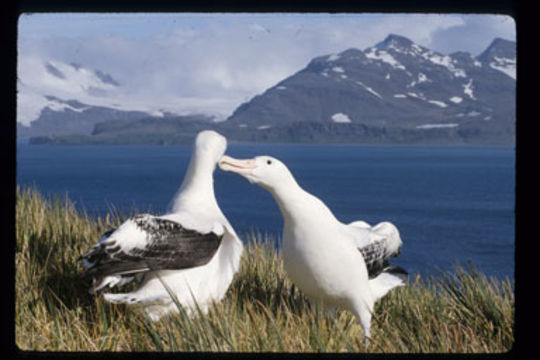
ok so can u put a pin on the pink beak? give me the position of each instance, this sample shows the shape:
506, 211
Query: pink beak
239, 166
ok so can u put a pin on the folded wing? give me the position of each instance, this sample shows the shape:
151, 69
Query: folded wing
146, 243
377, 244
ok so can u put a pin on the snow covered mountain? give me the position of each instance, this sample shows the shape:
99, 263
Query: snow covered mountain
59, 98
501, 56
395, 91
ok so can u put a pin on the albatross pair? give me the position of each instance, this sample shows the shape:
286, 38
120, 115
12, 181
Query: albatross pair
196, 252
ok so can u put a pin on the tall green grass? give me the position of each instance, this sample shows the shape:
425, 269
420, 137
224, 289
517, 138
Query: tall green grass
463, 311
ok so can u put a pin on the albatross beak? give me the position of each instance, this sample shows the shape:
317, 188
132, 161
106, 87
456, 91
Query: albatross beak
242, 167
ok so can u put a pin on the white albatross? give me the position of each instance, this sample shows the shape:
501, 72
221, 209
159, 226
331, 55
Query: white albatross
340, 265
193, 249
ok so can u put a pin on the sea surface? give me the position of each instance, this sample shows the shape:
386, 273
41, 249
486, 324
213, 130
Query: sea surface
452, 205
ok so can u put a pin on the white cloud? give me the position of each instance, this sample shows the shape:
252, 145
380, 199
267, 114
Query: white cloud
475, 34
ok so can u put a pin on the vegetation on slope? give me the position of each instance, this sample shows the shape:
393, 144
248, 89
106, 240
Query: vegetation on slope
262, 311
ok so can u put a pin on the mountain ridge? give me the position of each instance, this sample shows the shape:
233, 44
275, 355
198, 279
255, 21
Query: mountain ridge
393, 92
395, 83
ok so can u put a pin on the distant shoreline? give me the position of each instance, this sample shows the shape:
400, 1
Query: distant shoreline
26, 142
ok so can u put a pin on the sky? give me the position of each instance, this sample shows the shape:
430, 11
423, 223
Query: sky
211, 63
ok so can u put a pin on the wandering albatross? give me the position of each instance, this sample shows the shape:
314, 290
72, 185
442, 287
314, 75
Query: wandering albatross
340, 265
193, 249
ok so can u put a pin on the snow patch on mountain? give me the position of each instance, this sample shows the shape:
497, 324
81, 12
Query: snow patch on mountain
468, 89
504, 65
333, 57
30, 104
369, 89
437, 126
341, 118
438, 103
445, 61
415, 95
374, 54
422, 78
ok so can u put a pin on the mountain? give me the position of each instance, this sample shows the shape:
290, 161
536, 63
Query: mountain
61, 117
501, 56
56, 98
395, 91
144, 130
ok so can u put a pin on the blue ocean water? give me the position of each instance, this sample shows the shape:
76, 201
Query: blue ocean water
452, 205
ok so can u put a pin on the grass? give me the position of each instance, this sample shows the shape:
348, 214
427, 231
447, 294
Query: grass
463, 311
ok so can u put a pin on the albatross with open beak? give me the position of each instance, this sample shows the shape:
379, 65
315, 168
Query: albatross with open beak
340, 265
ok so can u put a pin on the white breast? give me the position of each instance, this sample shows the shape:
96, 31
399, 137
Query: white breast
322, 262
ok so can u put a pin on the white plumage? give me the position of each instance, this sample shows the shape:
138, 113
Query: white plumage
334, 263
193, 249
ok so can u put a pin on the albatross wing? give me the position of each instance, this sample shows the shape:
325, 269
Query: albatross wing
146, 243
377, 244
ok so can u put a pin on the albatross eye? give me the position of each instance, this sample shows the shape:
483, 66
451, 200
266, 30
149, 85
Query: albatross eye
269, 162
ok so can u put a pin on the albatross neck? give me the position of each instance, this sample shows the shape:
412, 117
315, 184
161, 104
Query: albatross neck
297, 205
197, 189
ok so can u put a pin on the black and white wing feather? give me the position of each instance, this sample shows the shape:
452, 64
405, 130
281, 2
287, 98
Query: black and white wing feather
376, 256
145, 243
377, 244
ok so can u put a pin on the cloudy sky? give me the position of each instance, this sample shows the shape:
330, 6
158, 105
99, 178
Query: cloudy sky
211, 63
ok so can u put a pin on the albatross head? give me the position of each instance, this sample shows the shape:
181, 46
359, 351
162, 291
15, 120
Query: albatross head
209, 144
198, 186
265, 171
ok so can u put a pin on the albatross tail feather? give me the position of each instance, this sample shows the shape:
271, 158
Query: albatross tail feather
109, 281
390, 278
